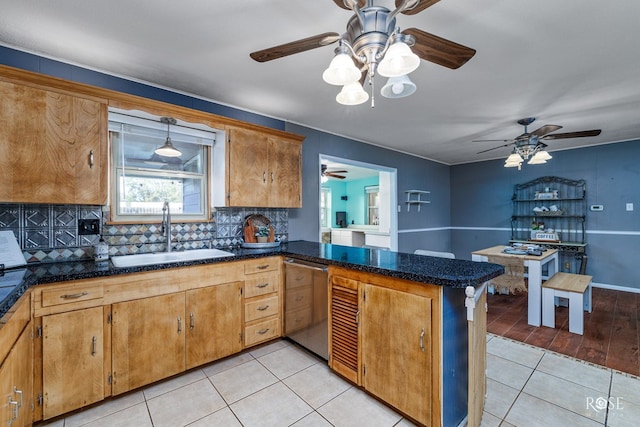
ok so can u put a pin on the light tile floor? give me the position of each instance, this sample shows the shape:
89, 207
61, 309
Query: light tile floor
529, 386
282, 385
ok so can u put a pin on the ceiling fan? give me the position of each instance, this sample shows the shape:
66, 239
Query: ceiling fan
332, 173
370, 37
528, 144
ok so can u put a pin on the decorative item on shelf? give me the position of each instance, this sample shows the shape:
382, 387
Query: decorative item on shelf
553, 210
545, 236
547, 194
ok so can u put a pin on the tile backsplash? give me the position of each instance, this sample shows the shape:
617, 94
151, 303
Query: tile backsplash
49, 233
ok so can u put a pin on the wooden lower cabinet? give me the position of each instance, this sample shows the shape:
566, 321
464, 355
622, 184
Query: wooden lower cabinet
214, 324
384, 337
73, 360
400, 374
16, 382
148, 341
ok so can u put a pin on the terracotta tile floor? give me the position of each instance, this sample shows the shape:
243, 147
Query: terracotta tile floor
611, 330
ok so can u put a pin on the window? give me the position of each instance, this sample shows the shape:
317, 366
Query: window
372, 200
325, 208
142, 180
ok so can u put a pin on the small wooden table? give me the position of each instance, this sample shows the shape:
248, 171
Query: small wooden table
534, 265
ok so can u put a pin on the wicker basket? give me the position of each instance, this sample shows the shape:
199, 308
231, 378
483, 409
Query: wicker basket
549, 213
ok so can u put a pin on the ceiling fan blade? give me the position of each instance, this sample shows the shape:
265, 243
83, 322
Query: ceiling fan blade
335, 176
337, 171
438, 50
340, 3
492, 140
581, 134
297, 46
546, 129
495, 148
422, 5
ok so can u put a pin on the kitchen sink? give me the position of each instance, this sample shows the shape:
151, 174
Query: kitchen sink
167, 257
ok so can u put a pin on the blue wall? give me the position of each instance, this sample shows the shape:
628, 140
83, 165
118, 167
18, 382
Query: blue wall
481, 206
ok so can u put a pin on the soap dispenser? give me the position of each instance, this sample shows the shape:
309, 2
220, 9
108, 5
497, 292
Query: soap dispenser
101, 251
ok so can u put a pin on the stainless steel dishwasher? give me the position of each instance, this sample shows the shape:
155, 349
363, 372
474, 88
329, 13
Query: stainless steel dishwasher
306, 305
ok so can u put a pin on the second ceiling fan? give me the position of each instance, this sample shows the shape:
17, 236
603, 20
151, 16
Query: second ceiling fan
371, 35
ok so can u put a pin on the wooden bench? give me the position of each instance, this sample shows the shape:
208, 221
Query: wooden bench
577, 289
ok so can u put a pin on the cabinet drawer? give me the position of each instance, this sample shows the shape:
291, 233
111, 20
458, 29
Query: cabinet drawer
259, 308
297, 298
262, 331
71, 294
297, 319
261, 284
298, 276
261, 265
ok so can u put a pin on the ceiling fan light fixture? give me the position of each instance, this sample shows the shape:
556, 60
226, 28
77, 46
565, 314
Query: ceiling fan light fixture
352, 94
398, 60
341, 70
168, 150
542, 155
398, 87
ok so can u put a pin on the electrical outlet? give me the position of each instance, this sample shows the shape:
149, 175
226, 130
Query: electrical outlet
88, 226
567, 265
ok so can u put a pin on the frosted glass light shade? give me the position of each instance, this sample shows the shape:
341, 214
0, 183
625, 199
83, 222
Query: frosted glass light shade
341, 71
398, 87
168, 150
398, 60
352, 94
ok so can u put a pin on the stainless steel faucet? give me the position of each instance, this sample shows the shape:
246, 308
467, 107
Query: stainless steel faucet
166, 224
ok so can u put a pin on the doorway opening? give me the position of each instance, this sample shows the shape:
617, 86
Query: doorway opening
357, 203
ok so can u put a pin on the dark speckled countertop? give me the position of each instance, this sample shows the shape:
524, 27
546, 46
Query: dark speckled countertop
438, 271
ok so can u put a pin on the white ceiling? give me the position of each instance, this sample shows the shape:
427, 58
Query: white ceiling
574, 63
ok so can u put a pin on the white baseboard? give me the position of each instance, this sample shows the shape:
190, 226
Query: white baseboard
615, 287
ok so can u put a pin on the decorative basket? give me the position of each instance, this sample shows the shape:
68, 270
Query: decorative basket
549, 213
251, 225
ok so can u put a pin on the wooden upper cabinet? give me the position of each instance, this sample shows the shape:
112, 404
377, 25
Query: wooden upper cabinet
53, 146
262, 170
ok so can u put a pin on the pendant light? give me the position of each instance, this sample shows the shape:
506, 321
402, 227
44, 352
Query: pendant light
168, 150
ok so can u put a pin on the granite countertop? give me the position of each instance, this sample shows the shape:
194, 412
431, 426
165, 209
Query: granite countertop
423, 269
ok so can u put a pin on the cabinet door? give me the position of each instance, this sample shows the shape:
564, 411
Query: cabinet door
73, 360
16, 382
285, 173
248, 168
53, 147
399, 323
344, 354
214, 324
148, 341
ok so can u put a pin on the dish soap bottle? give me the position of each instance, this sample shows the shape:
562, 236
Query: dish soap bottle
101, 251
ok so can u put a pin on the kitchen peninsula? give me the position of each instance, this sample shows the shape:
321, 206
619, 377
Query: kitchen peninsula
82, 295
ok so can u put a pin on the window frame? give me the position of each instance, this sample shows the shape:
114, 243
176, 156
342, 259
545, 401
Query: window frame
139, 118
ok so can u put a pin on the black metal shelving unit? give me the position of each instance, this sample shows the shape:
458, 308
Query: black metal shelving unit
569, 224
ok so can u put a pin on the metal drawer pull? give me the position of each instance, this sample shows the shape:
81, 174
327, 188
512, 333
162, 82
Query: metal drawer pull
74, 296
94, 346
192, 321
179, 324
264, 176
263, 307
91, 159
422, 340
264, 331
262, 285
19, 393
262, 267
358, 317
271, 176
15, 411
